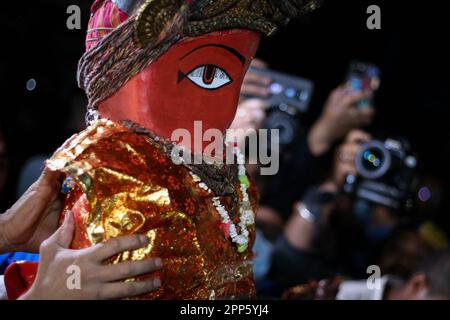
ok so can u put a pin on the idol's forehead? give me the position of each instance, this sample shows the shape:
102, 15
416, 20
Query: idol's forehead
243, 40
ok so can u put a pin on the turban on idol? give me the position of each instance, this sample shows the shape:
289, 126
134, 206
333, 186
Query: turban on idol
126, 36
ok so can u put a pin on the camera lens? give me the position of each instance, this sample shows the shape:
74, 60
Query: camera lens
373, 160
290, 93
286, 124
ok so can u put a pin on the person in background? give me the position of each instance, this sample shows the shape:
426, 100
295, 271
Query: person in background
30, 225
430, 280
7, 258
328, 234
340, 115
299, 253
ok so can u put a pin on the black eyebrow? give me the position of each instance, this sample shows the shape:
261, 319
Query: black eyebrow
229, 49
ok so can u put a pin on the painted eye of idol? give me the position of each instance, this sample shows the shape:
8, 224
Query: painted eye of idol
210, 66
209, 77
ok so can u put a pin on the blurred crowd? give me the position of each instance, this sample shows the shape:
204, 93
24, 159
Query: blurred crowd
315, 240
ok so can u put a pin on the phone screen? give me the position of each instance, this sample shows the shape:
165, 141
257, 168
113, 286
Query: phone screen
364, 77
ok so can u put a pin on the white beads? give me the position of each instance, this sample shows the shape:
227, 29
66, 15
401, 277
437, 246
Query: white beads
247, 216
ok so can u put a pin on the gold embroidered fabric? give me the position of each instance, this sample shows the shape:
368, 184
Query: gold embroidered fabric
125, 184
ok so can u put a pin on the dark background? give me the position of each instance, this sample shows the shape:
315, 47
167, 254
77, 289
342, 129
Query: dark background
411, 49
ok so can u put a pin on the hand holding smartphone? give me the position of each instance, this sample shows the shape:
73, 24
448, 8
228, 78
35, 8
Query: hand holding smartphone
364, 77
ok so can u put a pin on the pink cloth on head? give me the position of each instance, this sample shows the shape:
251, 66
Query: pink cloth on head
105, 16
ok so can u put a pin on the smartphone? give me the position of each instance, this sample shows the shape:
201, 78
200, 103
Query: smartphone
287, 90
362, 77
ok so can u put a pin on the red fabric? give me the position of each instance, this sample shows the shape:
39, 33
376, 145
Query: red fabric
104, 16
19, 276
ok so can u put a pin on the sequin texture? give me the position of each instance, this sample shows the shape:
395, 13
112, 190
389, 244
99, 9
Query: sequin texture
125, 184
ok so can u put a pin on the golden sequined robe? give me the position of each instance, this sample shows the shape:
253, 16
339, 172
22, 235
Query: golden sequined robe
124, 183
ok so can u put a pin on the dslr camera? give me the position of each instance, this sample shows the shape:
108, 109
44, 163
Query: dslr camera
385, 174
289, 97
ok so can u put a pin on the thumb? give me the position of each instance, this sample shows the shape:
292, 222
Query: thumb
64, 235
38, 196
48, 180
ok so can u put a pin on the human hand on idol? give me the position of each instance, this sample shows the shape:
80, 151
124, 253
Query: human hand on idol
340, 115
34, 217
97, 280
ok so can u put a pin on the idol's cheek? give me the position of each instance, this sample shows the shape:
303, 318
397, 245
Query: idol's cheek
188, 104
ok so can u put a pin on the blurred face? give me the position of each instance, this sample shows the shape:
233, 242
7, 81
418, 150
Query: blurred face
198, 79
416, 288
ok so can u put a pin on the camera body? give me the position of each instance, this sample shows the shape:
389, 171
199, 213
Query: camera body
385, 174
289, 97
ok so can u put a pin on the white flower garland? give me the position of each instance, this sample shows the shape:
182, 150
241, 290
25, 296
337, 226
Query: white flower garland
247, 216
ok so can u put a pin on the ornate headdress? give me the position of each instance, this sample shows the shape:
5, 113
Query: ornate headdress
126, 36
